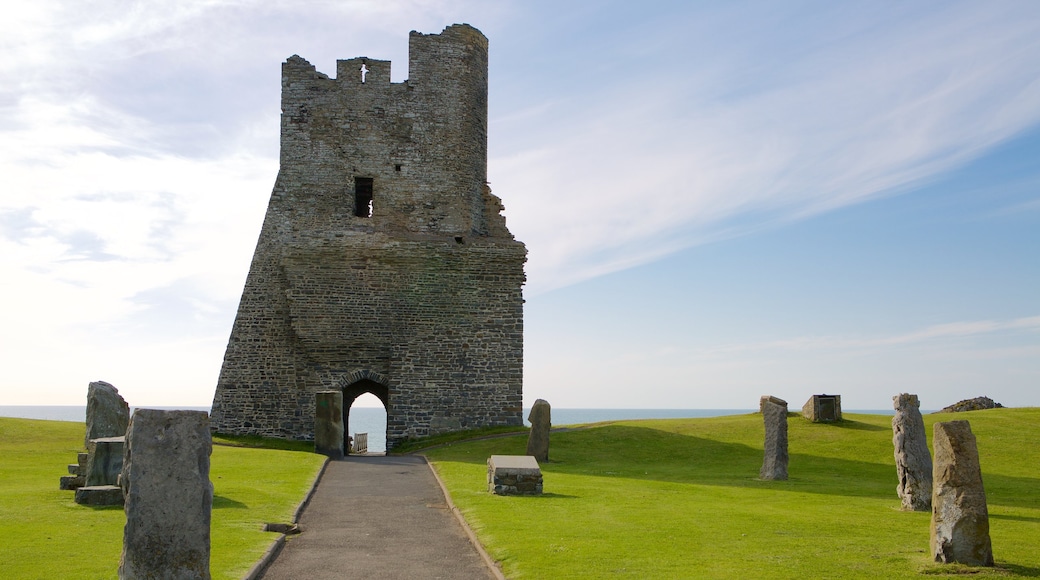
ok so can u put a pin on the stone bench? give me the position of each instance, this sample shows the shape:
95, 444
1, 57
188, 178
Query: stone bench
99, 495
514, 475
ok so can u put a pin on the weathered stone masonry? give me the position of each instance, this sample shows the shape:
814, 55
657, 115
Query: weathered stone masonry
384, 264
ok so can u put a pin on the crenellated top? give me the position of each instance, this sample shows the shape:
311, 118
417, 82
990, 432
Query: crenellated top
362, 153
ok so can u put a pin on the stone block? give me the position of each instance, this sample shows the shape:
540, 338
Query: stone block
105, 461
822, 408
913, 460
328, 424
99, 495
774, 415
514, 475
541, 423
71, 482
960, 517
168, 496
107, 412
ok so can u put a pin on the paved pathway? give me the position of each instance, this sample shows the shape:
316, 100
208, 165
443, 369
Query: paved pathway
375, 518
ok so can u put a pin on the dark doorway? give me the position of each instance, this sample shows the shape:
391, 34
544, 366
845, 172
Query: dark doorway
363, 187
350, 395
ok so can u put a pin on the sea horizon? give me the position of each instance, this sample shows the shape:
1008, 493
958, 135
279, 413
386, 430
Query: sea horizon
372, 420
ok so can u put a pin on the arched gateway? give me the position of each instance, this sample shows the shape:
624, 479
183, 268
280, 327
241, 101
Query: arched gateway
383, 249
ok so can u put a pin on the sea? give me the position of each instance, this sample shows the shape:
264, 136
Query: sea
372, 420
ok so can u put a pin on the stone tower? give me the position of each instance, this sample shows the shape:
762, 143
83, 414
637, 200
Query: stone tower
384, 264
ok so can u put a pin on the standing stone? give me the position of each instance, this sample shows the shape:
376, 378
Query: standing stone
960, 519
774, 414
107, 412
169, 496
328, 423
913, 461
538, 439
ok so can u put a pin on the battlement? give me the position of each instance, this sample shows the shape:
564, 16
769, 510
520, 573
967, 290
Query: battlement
401, 156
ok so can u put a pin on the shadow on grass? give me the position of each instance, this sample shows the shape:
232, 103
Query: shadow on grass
221, 502
646, 453
857, 426
1026, 571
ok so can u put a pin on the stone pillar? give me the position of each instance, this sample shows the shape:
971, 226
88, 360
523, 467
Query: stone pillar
107, 412
541, 423
169, 496
328, 424
774, 414
913, 461
960, 519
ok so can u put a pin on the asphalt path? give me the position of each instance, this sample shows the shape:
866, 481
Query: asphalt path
377, 517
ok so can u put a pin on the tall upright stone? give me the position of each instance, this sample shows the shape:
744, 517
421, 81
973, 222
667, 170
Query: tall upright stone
960, 518
328, 424
107, 412
913, 460
774, 415
541, 423
384, 264
168, 496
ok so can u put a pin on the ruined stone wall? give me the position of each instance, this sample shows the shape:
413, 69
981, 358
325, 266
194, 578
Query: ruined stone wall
425, 292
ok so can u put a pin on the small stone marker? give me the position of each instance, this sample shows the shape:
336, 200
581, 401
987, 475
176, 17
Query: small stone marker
960, 518
913, 460
328, 424
774, 414
541, 423
514, 475
169, 497
107, 412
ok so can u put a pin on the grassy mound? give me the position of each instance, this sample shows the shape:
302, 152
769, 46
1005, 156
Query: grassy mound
680, 498
50, 536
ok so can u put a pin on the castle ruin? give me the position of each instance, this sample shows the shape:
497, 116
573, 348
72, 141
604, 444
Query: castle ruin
384, 265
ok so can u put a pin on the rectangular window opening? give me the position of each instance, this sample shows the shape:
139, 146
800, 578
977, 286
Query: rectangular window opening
363, 197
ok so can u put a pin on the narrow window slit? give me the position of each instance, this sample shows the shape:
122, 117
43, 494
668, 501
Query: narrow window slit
363, 197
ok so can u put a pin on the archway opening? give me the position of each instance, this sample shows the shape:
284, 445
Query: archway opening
364, 411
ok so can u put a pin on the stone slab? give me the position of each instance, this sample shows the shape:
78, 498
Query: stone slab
168, 496
99, 495
107, 413
960, 517
105, 461
328, 424
775, 456
541, 423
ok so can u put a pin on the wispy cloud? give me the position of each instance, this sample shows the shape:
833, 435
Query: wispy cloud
854, 109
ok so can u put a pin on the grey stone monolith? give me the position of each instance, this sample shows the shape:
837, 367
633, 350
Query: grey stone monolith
774, 415
328, 424
107, 412
541, 423
105, 460
913, 460
168, 496
960, 518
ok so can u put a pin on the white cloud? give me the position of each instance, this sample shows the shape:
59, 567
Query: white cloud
137, 145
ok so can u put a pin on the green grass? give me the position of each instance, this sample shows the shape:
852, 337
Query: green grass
413, 445
681, 499
47, 535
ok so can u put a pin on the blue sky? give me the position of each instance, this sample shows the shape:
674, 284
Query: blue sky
720, 200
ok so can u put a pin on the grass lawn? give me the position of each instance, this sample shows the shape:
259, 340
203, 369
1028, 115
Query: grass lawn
49, 536
680, 498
